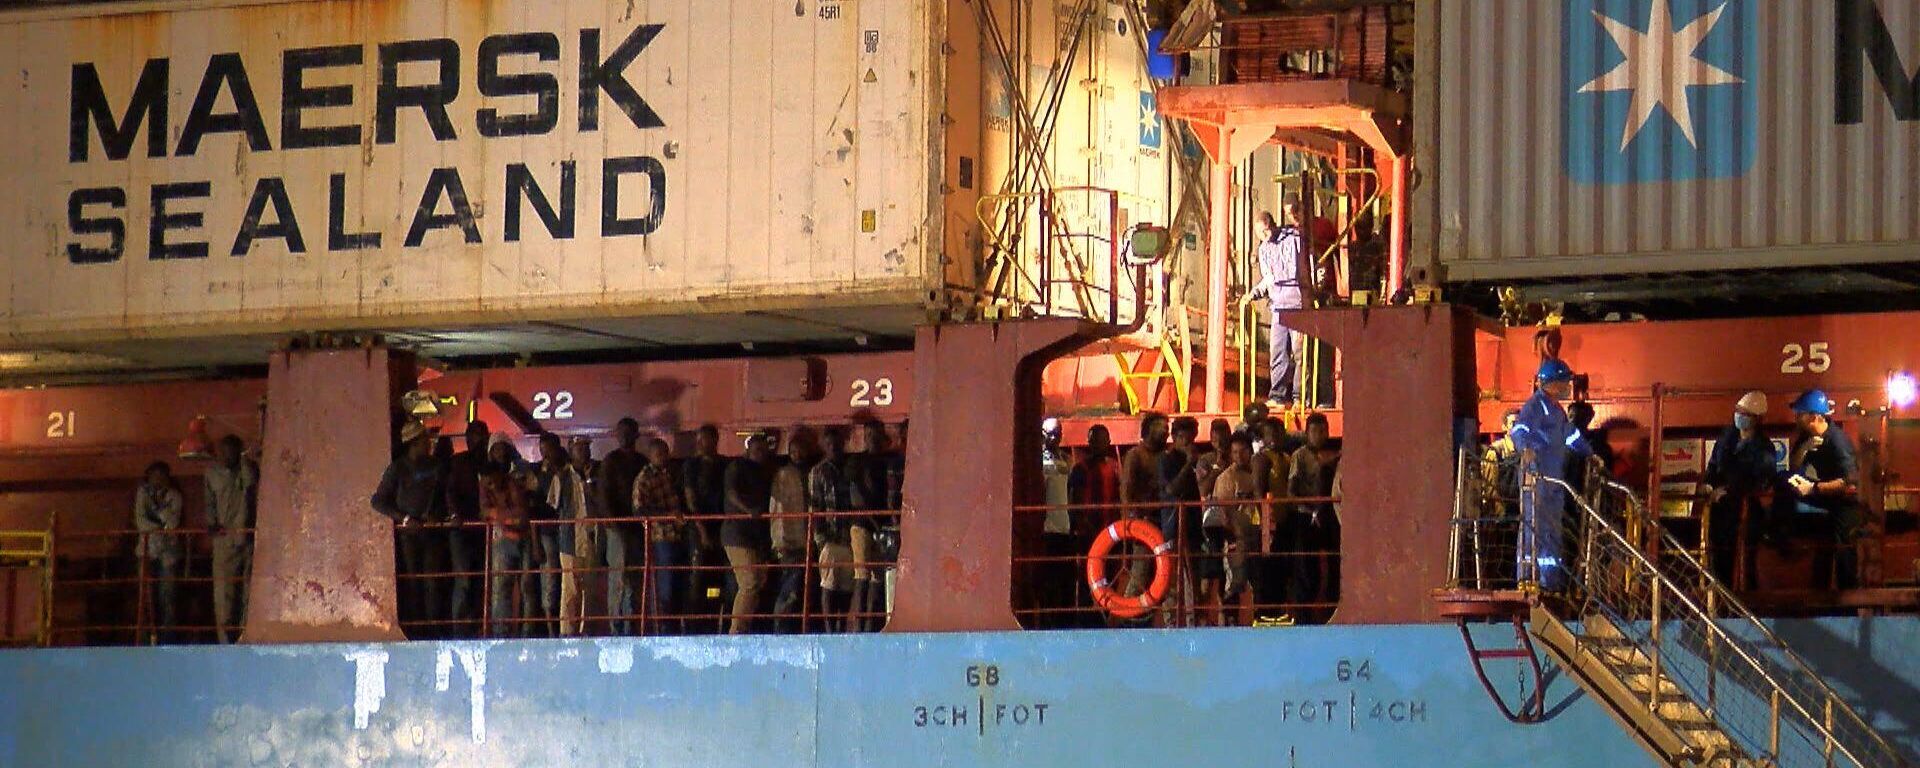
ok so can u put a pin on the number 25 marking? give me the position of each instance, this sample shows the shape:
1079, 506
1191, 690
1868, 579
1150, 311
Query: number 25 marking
878, 392
1811, 358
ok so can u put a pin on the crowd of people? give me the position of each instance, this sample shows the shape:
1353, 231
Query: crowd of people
1753, 493
570, 543
1251, 514
489, 542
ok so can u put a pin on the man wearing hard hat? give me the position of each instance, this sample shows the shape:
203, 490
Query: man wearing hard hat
1821, 490
1546, 439
1743, 464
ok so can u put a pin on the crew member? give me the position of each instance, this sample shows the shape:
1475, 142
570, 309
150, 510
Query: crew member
1546, 439
409, 494
1744, 463
1282, 258
1822, 480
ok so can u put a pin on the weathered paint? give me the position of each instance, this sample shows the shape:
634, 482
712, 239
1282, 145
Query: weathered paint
1807, 161
1193, 697
323, 560
772, 159
1408, 376
823, 163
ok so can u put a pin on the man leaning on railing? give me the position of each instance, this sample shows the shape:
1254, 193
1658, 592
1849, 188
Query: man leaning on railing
157, 509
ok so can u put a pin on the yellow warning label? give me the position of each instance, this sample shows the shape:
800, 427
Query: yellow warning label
870, 78
869, 220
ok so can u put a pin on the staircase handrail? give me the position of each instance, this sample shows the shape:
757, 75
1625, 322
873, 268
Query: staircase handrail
1739, 647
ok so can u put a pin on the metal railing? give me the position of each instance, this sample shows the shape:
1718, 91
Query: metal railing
1691, 630
1257, 562
28, 552
1760, 691
104, 593
678, 578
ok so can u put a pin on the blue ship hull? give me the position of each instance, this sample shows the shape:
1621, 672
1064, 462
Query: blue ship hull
1303, 696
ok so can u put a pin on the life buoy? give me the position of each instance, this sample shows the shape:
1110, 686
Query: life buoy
1110, 599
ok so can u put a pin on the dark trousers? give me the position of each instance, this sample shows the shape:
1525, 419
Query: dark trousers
423, 568
1060, 583
1840, 524
791, 581
466, 555
667, 603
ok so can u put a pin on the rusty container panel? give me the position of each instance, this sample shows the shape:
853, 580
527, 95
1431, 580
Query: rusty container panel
203, 169
1585, 137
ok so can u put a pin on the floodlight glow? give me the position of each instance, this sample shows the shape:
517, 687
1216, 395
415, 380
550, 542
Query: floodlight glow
1902, 389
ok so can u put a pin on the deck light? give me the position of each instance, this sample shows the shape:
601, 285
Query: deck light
1902, 389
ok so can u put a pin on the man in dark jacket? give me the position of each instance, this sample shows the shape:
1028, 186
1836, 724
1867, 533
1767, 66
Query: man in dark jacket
409, 494
466, 541
620, 542
1744, 464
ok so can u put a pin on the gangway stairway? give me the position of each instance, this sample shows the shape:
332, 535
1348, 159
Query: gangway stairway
1658, 642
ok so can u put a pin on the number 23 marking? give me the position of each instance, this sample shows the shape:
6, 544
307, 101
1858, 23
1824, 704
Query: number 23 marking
878, 392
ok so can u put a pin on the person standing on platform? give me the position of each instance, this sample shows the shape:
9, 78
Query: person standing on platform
157, 510
1314, 530
1283, 261
503, 504
869, 486
1744, 464
230, 487
828, 494
564, 493
466, 542
409, 495
787, 508
1231, 522
744, 534
620, 542
657, 499
704, 479
1140, 489
1548, 441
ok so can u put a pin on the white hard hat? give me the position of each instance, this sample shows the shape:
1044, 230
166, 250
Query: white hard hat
1752, 403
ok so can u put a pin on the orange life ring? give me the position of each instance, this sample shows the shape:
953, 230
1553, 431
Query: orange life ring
1110, 599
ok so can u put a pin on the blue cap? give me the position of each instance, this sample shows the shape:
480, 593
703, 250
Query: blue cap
1813, 401
1553, 371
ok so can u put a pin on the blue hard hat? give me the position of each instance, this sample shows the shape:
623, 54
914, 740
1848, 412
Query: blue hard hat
1552, 370
1813, 401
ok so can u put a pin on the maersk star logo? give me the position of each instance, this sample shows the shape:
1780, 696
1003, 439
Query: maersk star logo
1149, 121
1657, 89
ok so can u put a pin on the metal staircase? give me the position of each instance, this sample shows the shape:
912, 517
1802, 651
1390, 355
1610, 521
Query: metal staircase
1679, 662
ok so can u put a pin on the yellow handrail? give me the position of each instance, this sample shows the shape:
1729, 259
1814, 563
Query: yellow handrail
33, 549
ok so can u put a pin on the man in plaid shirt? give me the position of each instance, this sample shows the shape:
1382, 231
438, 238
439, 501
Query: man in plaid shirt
656, 496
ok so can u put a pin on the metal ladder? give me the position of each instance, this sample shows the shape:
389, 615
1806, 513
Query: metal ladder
1679, 662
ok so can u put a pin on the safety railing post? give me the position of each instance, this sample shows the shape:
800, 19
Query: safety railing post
1827, 748
1653, 652
1773, 724
1113, 257
486, 581
140, 600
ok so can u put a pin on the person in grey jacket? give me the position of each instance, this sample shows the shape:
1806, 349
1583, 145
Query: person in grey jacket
157, 508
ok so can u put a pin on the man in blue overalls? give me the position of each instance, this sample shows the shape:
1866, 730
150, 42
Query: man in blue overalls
1546, 439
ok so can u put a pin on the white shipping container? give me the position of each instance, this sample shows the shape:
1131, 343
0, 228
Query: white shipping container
207, 168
